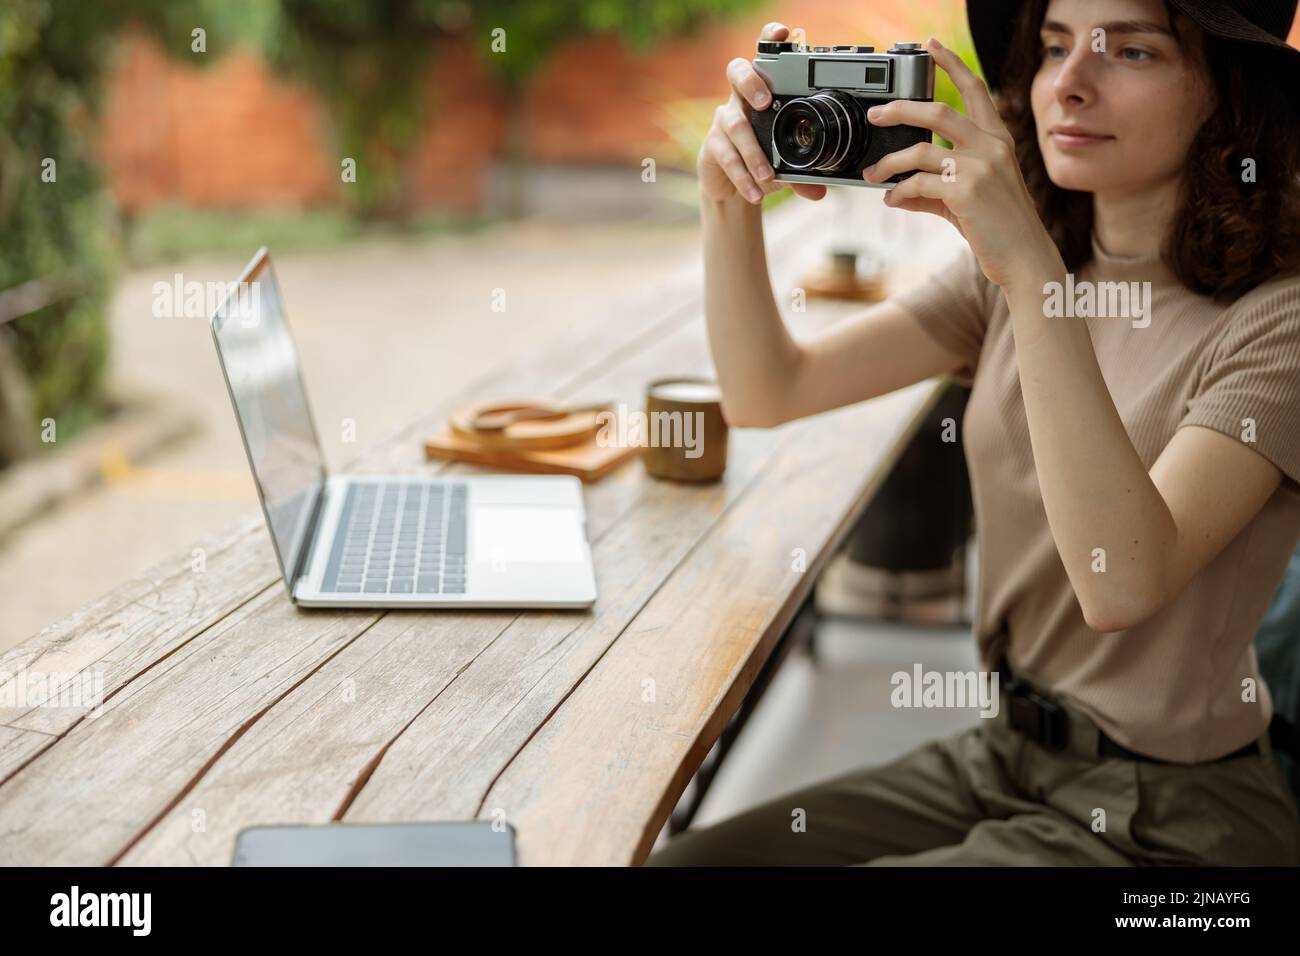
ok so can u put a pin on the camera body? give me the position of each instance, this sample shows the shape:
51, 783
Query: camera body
816, 130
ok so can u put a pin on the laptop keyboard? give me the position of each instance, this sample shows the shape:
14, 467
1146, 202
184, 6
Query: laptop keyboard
399, 538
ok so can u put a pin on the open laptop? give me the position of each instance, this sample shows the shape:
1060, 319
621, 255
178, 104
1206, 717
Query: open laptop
386, 541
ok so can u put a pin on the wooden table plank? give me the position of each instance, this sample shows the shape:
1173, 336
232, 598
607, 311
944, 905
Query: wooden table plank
125, 632
597, 782
19, 746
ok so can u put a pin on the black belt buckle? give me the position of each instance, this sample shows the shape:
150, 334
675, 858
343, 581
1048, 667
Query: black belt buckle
1037, 717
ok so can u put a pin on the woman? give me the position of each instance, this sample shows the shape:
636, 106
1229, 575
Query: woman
1134, 476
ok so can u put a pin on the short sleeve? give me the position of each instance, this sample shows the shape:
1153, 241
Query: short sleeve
953, 306
1250, 387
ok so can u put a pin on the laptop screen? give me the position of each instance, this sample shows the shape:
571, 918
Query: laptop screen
261, 368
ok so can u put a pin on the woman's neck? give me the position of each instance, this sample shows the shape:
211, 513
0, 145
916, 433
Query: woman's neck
1134, 224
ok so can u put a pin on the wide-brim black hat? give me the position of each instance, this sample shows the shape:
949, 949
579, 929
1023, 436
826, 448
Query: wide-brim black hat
1260, 24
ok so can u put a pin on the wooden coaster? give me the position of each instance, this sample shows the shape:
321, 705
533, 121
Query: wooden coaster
548, 433
843, 280
588, 460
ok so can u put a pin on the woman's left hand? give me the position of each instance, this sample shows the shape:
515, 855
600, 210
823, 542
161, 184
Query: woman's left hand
977, 185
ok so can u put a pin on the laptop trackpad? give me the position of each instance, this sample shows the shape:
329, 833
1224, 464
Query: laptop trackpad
513, 533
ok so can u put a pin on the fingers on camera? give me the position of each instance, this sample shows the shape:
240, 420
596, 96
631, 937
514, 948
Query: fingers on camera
735, 125
753, 156
746, 81
734, 166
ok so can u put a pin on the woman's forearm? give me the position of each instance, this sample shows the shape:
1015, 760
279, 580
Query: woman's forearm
1111, 526
753, 353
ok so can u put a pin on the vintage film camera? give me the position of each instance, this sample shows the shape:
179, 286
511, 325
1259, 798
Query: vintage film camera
816, 130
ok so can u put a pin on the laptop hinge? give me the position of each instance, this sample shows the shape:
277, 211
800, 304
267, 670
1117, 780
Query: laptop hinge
305, 554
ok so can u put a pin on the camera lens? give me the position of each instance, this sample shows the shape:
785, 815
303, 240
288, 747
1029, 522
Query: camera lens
822, 132
799, 134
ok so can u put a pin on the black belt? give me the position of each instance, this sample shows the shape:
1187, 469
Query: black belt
1109, 748
1045, 721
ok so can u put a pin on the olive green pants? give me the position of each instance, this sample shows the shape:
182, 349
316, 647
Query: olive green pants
991, 796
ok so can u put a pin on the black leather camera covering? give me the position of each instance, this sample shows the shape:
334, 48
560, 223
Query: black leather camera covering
882, 141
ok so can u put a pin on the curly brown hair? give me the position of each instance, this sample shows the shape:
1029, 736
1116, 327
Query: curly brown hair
1227, 235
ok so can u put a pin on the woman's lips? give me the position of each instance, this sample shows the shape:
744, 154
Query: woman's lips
1067, 136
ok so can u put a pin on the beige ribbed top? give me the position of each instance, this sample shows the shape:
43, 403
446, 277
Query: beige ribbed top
1171, 687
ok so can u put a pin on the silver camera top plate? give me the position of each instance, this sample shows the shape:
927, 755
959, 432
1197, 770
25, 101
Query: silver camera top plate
905, 72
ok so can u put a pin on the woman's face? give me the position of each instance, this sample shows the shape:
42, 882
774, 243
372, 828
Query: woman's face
1116, 101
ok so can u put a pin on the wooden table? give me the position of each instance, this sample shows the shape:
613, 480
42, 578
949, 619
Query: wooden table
225, 706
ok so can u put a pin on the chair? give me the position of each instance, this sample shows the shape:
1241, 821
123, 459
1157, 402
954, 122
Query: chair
1278, 647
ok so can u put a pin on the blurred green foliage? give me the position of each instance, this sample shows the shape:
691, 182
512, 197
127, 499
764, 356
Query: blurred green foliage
56, 227
368, 61
534, 29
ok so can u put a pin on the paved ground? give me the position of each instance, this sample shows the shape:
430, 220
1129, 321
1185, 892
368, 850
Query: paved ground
384, 327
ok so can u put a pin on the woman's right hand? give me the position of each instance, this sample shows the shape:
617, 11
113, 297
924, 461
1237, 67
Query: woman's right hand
731, 164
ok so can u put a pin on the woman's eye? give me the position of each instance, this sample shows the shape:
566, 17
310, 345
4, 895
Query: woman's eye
1134, 55
1051, 51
